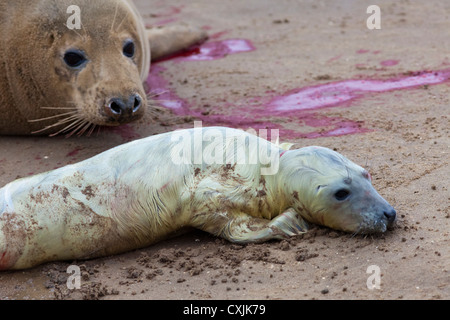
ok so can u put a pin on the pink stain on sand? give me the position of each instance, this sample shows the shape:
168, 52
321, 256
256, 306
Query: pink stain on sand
161, 92
389, 63
297, 105
205, 52
337, 93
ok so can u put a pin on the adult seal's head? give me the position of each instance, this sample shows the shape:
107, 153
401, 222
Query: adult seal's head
54, 79
328, 189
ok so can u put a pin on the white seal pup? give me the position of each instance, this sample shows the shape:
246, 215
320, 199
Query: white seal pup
224, 181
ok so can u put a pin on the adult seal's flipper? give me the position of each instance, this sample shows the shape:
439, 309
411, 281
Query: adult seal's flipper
167, 40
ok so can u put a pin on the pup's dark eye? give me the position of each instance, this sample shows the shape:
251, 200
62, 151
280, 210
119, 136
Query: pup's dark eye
129, 49
74, 58
341, 194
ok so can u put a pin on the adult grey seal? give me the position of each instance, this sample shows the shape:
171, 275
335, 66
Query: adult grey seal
55, 78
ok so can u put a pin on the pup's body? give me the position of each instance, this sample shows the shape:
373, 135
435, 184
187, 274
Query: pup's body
138, 193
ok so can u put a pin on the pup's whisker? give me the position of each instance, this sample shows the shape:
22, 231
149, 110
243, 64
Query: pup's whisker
356, 232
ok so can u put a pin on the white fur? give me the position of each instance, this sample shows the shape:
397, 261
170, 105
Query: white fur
138, 193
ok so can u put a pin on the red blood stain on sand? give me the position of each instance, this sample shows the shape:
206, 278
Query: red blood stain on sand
389, 63
125, 131
74, 152
296, 107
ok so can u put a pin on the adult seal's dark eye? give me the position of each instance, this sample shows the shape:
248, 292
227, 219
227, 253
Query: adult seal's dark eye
129, 49
74, 58
341, 194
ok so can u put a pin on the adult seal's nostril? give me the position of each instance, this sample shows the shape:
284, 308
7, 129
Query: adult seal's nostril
390, 214
117, 106
135, 101
121, 108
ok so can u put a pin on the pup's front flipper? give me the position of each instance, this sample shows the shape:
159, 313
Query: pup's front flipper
289, 223
242, 228
170, 39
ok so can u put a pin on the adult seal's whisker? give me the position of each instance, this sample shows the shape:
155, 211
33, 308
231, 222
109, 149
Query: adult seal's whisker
71, 125
58, 123
74, 129
57, 108
53, 117
83, 130
93, 126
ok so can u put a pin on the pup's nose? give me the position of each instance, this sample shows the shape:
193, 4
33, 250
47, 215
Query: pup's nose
390, 214
122, 109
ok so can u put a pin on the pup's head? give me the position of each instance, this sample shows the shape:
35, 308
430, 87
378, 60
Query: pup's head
330, 190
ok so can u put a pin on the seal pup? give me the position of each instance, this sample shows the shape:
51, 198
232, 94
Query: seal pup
224, 181
56, 80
